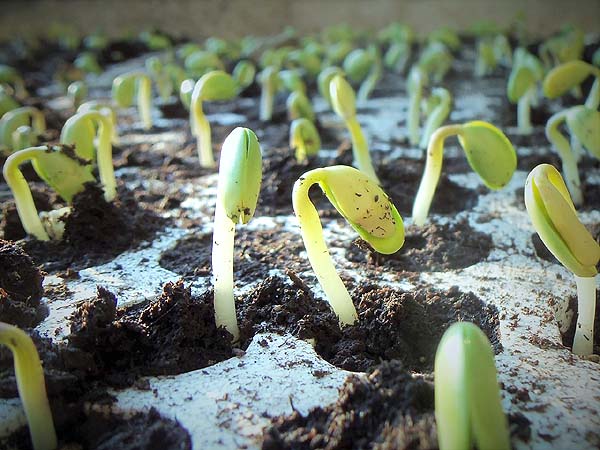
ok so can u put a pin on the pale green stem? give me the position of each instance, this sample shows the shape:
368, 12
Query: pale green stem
301, 152
436, 118
578, 150
266, 103
412, 121
369, 83
20, 190
31, 386
201, 129
431, 175
583, 344
524, 112
360, 149
104, 159
593, 98
144, 100
222, 264
318, 254
569, 162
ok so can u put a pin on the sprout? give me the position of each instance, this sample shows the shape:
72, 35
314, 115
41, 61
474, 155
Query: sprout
123, 89
344, 105
365, 206
445, 36
60, 168
161, 77
88, 63
215, 85
292, 81
570, 75
7, 103
553, 216
584, 126
269, 81
185, 92
468, 407
325, 78
222, 48
417, 80
568, 45
436, 61
372, 77
309, 62
298, 106
10, 76
31, 386
335, 53
304, 138
240, 174
202, 62
486, 61
12, 121
397, 55
77, 92
244, 73
526, 72
357, 64
502, 50
107, 110
489, 153
440, 101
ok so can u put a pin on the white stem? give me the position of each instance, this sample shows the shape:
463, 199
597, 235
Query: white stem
222, 264
145, 101
583, 344
524, 112
413, 116
266, 103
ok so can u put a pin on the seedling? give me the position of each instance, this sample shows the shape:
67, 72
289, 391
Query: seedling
417, 80
222, 48
298, 106
31, 386
201, 62
10, 76
570, 75
88, 63
244, 73
325, 78
215, 85
439, 103
107, 110
304, 138
292, 81
77, 92
445, 36
527, 71
365, 67
568, 45
240, 175
374, 75
435, 60
162, 79
336, 52
486, 61
125, 86
185, 92
468, 407
155, 41
489, 153
344, 104
306, 60
270, 83
12, 121
365, 206
7, 102
397, 55
553, 216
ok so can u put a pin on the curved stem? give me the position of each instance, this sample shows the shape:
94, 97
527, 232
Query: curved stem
266, 103
583, 344
569, 162
524, 112
360, 149
437, 116
222, 264
431, 175
144, 100
316, 249
20, 189
31, 386
593, 98
369, 83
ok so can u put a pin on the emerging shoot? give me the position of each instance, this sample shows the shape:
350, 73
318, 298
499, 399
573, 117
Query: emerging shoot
439, 105
325, 78
270, 82
124, 88
11, 123
77, 92
527, 70
304, 138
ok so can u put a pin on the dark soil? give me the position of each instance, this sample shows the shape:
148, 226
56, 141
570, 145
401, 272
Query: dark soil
20, 287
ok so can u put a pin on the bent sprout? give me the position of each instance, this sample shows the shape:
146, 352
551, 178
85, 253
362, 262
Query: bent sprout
554, 217
215, 85
325, 78
10, 76
365, 206
240, 174
439, 103
489, 153
244, 73
417, 80
527, 70
31, 386
343, 101
298, 106
11, 123
77, 92
304, 138
124, 88
468, 407
570, 75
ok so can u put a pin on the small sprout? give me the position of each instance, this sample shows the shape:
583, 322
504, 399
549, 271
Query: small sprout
270, 83
7, 102
240, 175
502, 50
77, 92
440, 101
374, 75
162, 79
155, 41
185, 92
553, 216
397, 55
292, 81
527, 71
365, 206
298, 106
25, 116
335, 53
445, 36
436, 61
489, 153
215, 85
584, 126
567, 46
88, 63
304, 138
570, 75
222, 48
31, 386
244, 73
309, 62
105, 108
357, 64
325, 78
486, 61
202, 62
468, 406
124, 88
417, 80
10, 76
344, 104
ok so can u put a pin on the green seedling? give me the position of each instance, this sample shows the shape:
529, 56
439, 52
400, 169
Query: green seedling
187, 49
374, 75
489, 153
7, 102
439, 103
553, 216
202, 62
299, 106
222, 48
57, 166
292, 81
436, 61
445, 36
77, 92
570, 75
344, 104
124, 88
305, 139
396, 32
583, 125
155, 41
240, 175
215, 85
468, 406
244, 73
162, 79
12, 78
185, 92
325, 78
567, 46
11, 139
397, 55
417, 80
107, 109
270, 83
486, 61
176, 73
502, 50
304, 59
87, 63
357, 64
526, 72
336, 53
31, 386
365, 206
